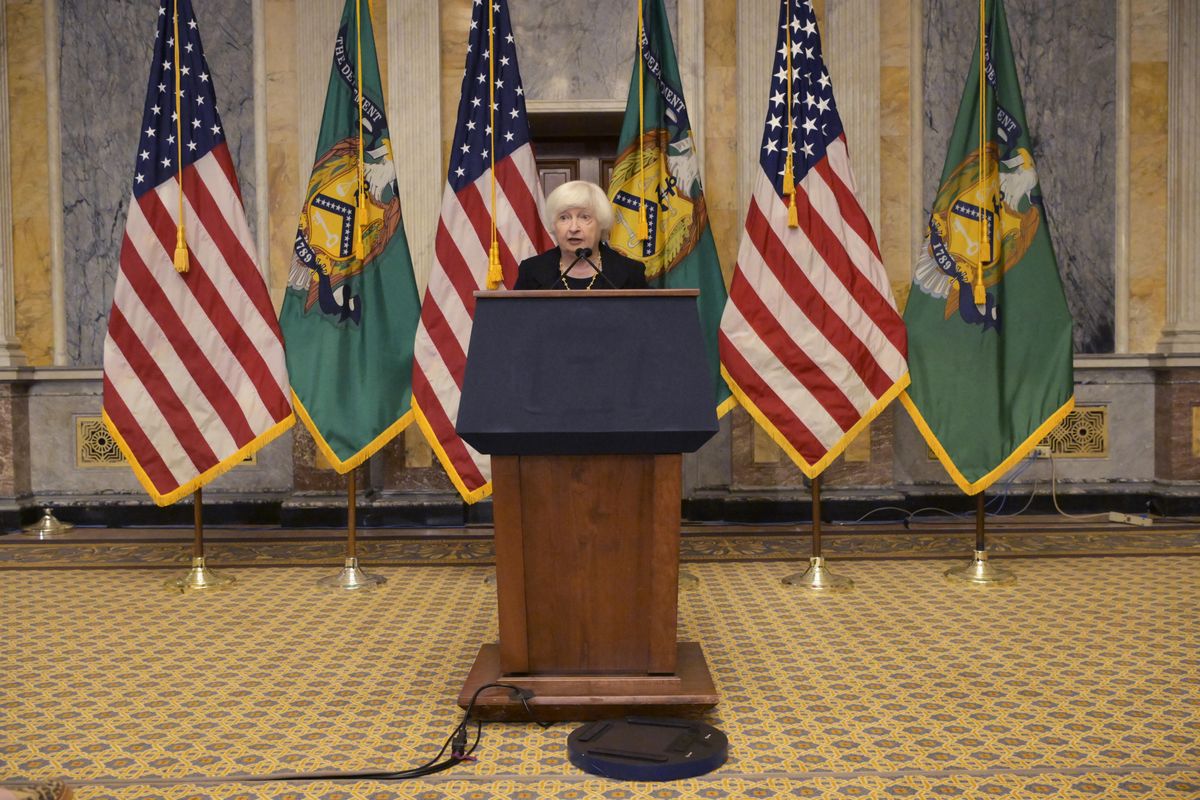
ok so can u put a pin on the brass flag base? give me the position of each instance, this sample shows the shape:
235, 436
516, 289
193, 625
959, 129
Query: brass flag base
688, 582
48, 526
198, 578
980, 571
351, 578
818, 576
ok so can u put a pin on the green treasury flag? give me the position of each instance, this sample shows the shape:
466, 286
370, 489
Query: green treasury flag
350, 312
657, 172
989, 333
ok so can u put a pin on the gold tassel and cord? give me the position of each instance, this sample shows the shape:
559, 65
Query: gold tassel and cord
181, 251
495, 272
789, 174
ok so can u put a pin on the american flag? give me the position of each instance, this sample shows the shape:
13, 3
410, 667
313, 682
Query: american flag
194, 371
810, 339
464, 237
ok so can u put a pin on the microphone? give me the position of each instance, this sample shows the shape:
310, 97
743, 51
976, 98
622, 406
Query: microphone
585, 254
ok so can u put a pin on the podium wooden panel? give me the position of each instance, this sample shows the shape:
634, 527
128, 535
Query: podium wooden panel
586, 499
610, 552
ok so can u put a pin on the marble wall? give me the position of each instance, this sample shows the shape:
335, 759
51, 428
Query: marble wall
14, 445
566, 56
104, 65
1066, 62
53, 406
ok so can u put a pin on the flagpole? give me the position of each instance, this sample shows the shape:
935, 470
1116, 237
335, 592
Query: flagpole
817, 576
980, 570
199, 576
350, 576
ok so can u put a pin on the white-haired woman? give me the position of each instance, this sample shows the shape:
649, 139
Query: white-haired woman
579, 214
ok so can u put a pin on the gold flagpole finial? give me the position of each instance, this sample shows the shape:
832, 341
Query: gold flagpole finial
180, 258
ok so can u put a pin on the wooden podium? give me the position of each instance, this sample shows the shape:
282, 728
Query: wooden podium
585, 401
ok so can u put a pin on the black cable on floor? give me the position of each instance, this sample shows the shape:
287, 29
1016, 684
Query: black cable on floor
456, 741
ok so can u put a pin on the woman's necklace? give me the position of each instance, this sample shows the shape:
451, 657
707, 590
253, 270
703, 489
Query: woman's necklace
591, 283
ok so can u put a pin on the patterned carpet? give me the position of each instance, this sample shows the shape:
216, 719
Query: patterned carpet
1081, 681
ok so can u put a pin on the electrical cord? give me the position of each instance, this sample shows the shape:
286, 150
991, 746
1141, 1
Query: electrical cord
1054, 497
998, 502
456, 742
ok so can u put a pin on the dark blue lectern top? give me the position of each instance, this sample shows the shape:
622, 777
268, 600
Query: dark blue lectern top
557, 372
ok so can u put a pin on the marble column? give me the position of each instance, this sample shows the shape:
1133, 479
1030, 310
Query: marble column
58, 303
851, 48
1121, 168
415, 114
1182, 331
262, 182
10, 349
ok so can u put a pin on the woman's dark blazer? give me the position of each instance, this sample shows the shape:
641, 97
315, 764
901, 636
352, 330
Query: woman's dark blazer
541, 271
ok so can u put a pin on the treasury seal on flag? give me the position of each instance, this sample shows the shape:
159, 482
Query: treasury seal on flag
1008, 201
324, 259
663, 175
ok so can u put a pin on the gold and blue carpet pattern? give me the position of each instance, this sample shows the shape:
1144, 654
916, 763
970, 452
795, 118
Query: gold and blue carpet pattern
1080, 681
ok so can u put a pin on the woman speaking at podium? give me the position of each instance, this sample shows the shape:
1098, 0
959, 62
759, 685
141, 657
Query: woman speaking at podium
579, 214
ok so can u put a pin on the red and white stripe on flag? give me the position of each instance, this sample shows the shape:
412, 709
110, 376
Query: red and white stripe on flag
195, 378
464, 236
811, 342
194, 372
460, 268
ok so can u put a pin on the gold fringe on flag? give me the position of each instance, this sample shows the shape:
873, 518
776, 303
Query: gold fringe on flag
181, 252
